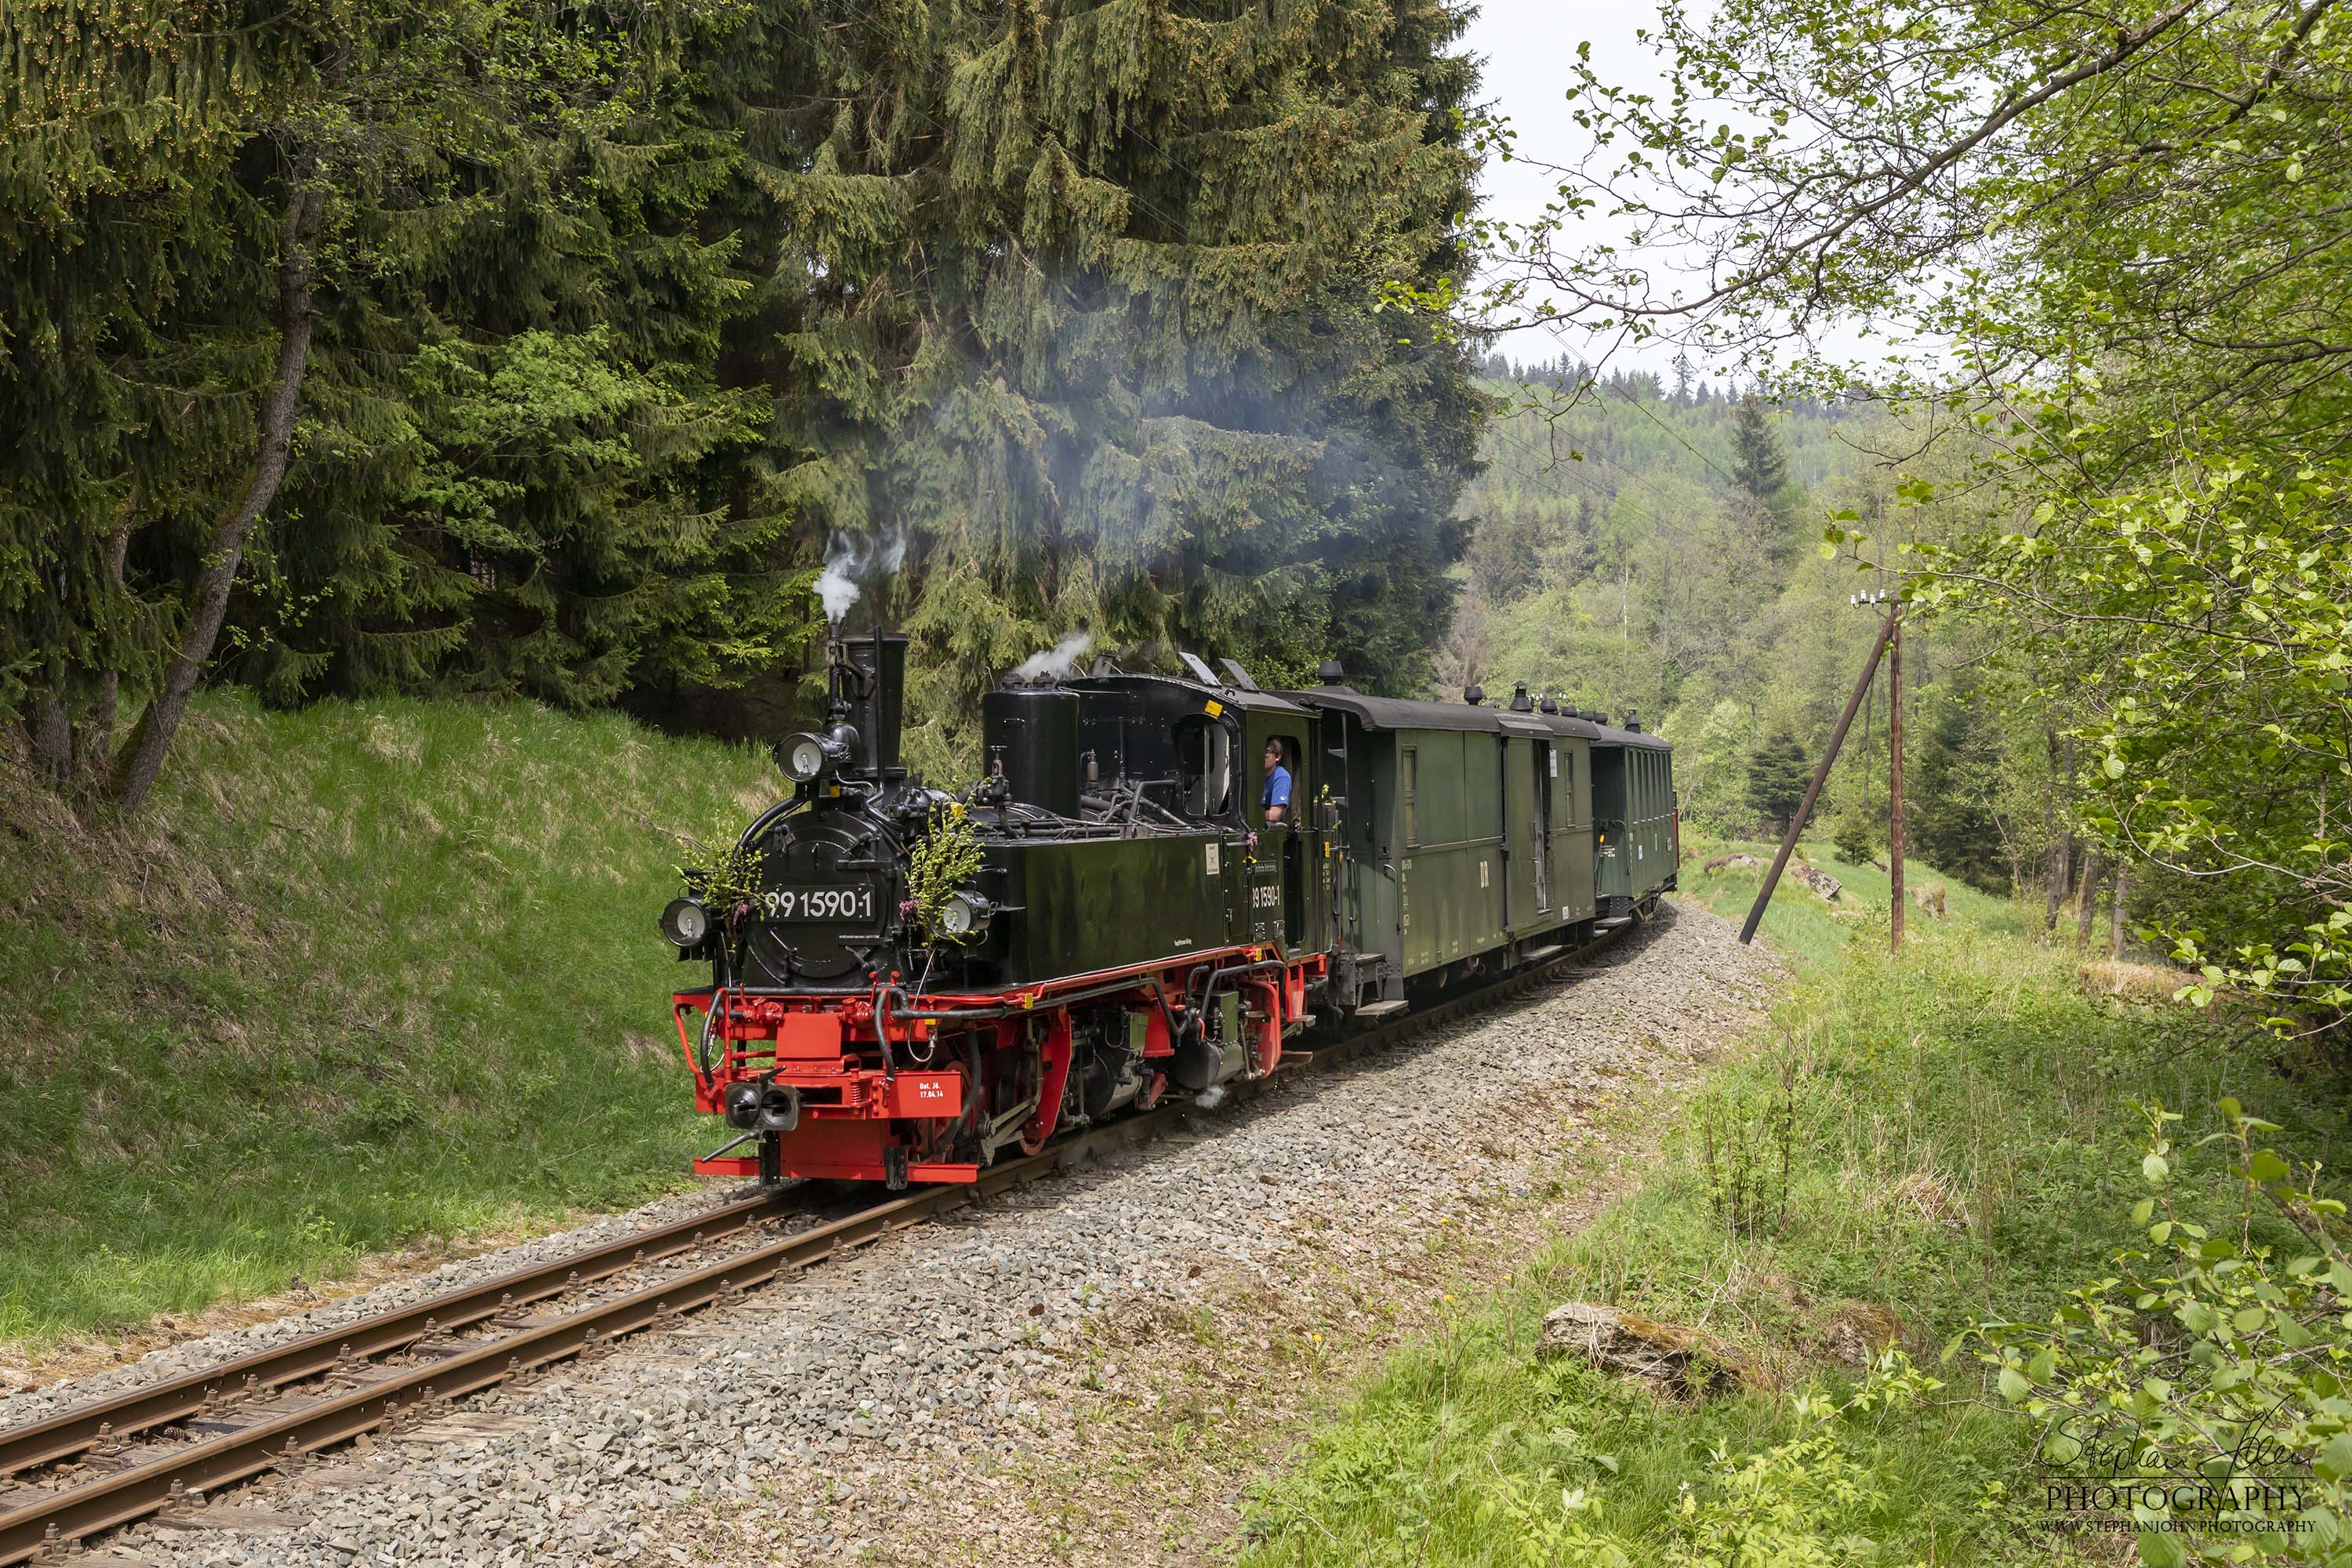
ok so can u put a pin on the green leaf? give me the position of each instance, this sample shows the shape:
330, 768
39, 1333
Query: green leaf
2155, 1169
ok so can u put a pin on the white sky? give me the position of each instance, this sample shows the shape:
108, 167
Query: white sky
1527, 51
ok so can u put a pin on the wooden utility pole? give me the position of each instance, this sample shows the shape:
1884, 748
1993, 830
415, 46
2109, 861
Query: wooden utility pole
1895, 765
1813, 789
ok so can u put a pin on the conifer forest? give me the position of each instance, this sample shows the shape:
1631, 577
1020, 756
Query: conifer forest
575, 336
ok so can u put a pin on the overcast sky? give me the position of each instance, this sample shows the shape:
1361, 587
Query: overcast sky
1526, 50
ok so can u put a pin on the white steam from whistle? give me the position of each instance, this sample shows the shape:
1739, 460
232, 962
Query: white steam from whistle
852, 560
1054, 662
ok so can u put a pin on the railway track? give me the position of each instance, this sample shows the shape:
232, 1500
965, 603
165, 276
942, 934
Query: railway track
268, 1410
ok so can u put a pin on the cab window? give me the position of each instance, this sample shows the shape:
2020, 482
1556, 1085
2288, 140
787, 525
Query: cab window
1204, 765
1290, 764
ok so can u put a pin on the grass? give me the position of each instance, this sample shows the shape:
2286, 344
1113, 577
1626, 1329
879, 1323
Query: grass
1814, 931
1910, 1147
364, 975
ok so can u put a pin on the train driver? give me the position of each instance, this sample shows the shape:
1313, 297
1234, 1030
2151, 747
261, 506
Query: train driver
1276, 798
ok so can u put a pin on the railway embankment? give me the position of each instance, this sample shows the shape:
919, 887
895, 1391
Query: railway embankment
1063, 1369
1913, 1145
371, 984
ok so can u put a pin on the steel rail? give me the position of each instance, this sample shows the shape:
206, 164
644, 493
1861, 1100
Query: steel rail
285, 1429
83, 1428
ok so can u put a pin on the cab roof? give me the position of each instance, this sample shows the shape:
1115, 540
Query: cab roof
1227, 696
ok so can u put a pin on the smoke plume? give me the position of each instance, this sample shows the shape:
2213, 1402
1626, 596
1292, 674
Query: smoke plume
1054, 662
853, 560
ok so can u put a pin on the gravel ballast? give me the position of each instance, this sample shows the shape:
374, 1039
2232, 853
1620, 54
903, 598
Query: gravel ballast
814, 1421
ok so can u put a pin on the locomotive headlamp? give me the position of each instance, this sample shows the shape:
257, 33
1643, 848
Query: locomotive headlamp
685, 922
805, 758
963, 913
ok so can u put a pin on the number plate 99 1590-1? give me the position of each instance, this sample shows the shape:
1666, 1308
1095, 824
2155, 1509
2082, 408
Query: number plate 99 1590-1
817, 904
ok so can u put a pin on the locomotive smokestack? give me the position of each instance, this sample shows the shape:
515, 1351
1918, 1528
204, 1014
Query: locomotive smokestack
869, 675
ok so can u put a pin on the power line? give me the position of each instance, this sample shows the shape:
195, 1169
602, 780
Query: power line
1677, 435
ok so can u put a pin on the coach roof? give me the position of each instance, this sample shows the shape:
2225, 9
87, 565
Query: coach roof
1404, 713
1607, 735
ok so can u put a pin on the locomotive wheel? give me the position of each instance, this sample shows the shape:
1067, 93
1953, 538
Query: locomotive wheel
1034, 1089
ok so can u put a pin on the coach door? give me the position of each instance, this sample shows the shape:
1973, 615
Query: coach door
1546, 762
1520, 865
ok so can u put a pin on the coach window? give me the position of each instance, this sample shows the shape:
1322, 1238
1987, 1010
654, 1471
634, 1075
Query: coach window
1409, 790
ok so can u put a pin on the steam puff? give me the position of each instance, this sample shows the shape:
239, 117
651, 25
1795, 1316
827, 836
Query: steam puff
1211, 1098
850, 560
834, 584
1056, 661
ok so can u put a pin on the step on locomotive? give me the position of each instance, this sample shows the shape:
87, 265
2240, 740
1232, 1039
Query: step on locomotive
1128, 926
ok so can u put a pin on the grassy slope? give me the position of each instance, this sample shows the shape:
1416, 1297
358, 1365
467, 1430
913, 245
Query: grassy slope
364, 974
1814, 931
1963, 1143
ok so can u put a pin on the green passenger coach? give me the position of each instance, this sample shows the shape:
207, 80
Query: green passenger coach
1468, 835
1636, 844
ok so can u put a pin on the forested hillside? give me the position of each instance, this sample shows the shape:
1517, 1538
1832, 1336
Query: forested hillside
2091, 262
1653, 550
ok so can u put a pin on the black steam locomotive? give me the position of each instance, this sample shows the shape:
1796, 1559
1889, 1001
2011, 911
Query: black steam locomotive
1130, 924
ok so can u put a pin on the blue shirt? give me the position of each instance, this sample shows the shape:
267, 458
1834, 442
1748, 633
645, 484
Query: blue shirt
1278, 788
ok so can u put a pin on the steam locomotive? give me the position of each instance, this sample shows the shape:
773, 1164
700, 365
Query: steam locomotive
1124, 923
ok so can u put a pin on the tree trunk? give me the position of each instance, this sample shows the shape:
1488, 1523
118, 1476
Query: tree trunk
143, 754
2086, 898
2061, 841
51, 735
2116, 915
97, 743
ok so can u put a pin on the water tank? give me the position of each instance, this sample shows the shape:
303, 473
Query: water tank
1031, 732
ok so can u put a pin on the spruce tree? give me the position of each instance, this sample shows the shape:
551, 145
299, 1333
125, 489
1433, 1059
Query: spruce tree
1857, 835
1778, 772
1759, 466
1082, 295
1947, 819
546, 490
234, 216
